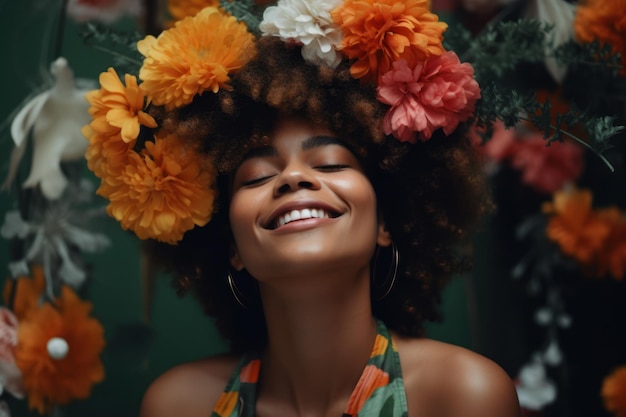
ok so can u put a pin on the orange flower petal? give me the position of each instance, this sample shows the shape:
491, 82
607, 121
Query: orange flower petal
195, 56
378, 32
50, 381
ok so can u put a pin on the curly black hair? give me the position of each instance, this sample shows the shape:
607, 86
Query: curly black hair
429, 193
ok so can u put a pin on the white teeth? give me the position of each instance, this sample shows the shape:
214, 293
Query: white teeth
301, 215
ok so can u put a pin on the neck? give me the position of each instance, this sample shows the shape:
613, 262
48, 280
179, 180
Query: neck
319, 341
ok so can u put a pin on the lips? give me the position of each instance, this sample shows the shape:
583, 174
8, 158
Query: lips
286, 215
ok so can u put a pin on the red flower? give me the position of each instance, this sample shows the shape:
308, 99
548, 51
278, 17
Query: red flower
437, 93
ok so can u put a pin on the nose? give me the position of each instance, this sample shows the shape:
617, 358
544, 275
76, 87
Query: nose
296, 176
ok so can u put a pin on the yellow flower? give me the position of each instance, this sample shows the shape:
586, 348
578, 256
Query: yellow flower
117, 113
50, 381
196, 55
105, 154
179, 9
379, 32
117, 107
614, 392
162, 192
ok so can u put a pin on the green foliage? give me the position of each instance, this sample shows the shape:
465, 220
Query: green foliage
600, 57
503, 49
121, 45
245, 10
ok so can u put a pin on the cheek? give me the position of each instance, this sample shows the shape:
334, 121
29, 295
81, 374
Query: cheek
360, 194
241, 216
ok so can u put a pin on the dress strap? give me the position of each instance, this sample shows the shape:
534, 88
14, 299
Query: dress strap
380, 390
239, 396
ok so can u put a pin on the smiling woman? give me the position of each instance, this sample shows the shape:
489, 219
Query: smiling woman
336, 199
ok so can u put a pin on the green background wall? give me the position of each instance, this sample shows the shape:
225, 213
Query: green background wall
135, 354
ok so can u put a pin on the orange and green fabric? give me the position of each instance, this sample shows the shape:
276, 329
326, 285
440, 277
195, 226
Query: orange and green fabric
379, 392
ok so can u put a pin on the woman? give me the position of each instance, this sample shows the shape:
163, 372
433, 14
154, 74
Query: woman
316, 218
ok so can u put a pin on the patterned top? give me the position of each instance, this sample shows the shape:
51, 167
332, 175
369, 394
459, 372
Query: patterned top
379, 392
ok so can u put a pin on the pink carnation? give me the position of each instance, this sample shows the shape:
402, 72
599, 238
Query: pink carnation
547, 168
10, 374
438, 93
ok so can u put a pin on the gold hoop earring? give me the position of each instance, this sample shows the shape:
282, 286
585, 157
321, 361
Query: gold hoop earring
385, 287
237, 293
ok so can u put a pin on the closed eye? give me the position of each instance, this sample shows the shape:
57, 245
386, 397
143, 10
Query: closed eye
256, 181
331, 167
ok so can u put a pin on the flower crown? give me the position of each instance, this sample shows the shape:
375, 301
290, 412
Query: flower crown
165, 187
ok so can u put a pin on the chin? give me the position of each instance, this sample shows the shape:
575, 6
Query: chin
312, 261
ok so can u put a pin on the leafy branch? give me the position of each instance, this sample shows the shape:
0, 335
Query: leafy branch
511, 108
498, 51
122, 46
244, 10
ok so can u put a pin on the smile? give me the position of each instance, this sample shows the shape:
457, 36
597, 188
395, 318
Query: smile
302, 214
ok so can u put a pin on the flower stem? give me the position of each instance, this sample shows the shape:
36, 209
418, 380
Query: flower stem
58, 47
116, 54
582, 142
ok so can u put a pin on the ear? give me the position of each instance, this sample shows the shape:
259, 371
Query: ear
383, 238
235, 260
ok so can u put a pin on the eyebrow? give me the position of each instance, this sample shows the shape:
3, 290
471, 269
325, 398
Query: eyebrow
313, 142
319, 141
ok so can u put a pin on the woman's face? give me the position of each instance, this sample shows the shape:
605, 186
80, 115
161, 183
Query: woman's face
303, 205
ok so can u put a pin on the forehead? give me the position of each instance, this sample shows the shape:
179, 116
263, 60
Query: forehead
293, 134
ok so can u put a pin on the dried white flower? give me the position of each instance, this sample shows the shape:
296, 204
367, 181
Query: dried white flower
534, 389
55, 118
308, 23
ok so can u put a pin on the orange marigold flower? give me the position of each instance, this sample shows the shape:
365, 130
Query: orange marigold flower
612, 259
379, 32
27, 292
605, 21
614, 392
105, 154
194, 56
50, 381
595, 238
117, 112
179, 9
574, 227
118, 107
162, 192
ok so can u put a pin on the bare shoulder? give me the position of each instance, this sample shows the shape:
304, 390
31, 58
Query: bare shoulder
446, 380
188, 390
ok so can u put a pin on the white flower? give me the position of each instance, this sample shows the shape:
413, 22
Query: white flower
55, 118
10, 374
52, 234
534, 389
561, 14
308, 23
4, 409
543, 316
553, 355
